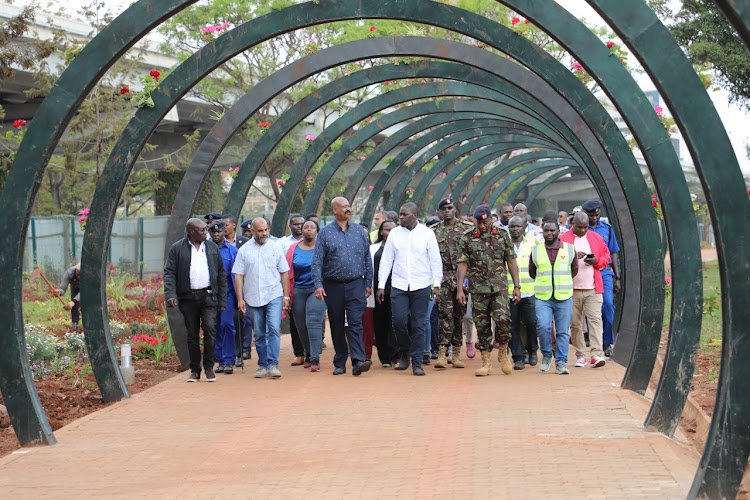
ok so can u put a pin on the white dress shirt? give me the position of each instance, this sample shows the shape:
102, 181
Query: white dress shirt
412, 258
199, 277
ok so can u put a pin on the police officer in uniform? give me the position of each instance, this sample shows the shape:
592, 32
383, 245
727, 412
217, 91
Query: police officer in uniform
451, 312
485, 253
610, 275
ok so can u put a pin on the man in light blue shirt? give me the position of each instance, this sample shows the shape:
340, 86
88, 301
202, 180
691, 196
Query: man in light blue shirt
262, 284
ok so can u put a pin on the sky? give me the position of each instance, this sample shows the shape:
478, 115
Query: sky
735, 120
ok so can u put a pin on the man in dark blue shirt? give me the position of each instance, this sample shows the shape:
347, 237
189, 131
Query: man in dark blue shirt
225, 326
610, 275
342, 273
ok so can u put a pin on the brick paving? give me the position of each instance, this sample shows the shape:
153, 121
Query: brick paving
385, 433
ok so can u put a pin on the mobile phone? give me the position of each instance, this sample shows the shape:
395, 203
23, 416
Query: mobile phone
589, 255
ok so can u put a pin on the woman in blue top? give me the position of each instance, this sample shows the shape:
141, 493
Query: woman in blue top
307, 309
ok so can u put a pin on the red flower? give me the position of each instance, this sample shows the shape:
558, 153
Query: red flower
346, 183
372, 28
264, 125
155, 74
280, 183
654, 203
124, 90
19, 123
76, 369
387, 83
515, 21
610, 45
525, 21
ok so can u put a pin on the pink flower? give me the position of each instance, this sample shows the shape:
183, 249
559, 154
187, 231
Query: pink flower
218, 28
360, 62
610, 45
310, 137
309, 178
370, 187
225, 25
667, 280
346, 183
362, 158
659, 110
85, 211
577, 66
515, 21
81, 219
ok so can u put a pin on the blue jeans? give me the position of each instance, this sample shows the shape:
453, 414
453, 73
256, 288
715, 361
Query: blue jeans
308, 316
409, 318
562, 311
608, 307
225, 332
267, 322
428, 327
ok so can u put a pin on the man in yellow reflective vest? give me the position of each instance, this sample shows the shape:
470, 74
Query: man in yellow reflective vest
524, 311
553, 290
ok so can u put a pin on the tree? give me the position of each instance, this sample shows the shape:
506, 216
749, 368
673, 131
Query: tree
13, 55
711, 42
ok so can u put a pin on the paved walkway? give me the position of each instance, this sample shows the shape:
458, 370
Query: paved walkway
386, 433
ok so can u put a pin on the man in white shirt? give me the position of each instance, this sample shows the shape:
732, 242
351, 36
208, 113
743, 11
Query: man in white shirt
261, 280
412, 257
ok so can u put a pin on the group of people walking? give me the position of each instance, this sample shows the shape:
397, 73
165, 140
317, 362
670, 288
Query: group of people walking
523, 286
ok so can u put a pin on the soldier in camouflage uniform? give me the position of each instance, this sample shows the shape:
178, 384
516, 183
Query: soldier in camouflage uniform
483, 254
451, 312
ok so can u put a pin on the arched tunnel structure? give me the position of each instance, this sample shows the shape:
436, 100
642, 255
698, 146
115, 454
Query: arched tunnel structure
481, 108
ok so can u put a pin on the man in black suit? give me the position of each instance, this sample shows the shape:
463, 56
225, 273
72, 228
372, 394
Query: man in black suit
196, 282
231, 236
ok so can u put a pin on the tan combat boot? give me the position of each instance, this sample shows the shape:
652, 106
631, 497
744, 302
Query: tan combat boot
486, 368
502, 356
442, 361
457, 363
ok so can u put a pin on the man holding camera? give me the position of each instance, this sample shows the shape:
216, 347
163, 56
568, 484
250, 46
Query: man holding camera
593, 256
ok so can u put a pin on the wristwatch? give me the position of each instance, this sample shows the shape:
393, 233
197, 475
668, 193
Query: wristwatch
287, 298
517, 286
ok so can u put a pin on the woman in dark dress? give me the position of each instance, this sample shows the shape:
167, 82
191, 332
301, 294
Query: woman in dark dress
385, 339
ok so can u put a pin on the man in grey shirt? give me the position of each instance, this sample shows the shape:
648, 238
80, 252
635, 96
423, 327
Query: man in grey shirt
261, 280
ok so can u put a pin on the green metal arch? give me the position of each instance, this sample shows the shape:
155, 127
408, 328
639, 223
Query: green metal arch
546, 182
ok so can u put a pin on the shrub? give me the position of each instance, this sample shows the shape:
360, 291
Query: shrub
75, 342
40, 345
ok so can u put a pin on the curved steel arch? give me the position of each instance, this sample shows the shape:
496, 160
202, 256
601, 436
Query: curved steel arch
306, 161
495, 174
546, 182
381, 4
728, 443
737, 13
667, 175
22, 184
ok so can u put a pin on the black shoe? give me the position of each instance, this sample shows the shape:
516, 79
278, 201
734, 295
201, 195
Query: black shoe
228, 370
194, 377
533, 359
247, 355
339, 371
403, 363
417, 370
362, 367
425, 359
587, 339
519, 364
434, 355
608, 350
210, 376
220, 368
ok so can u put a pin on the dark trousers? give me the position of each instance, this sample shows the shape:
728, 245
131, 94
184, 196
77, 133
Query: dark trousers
299, 349
200, 312
346, 299
434, 320
75, 315
383, 322
409, 315
524, 311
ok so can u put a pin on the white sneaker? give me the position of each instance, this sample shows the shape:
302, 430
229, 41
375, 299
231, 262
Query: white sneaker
273, 371
580, 363
261, 373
